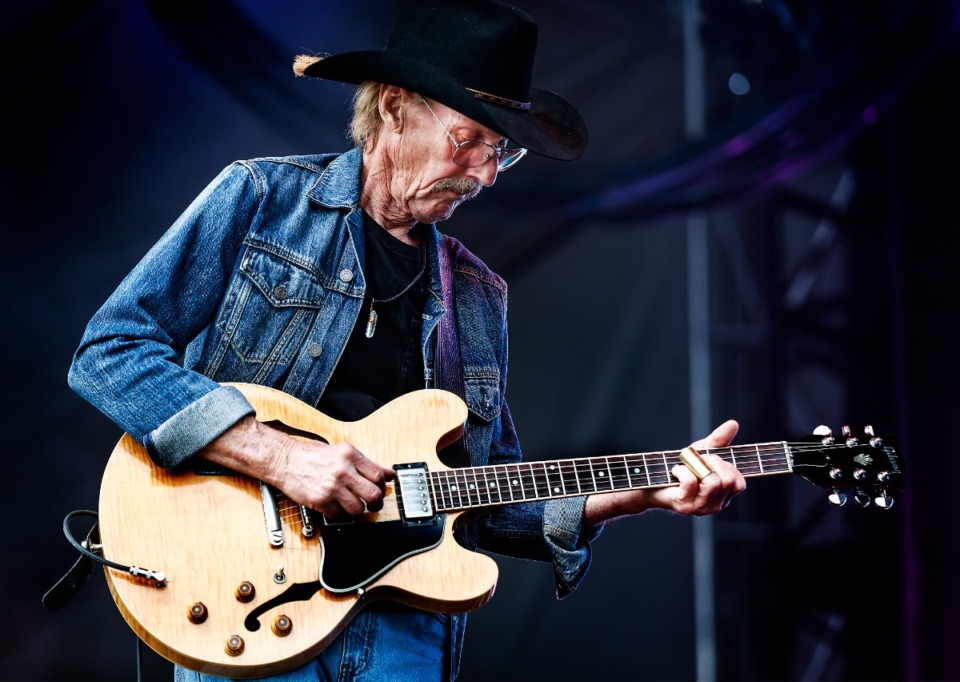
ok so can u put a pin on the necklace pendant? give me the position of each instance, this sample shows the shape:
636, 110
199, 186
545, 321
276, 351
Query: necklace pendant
371, 322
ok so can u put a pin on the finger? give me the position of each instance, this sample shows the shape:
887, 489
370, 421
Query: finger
720, 436
686, 492
693, 461
373, 472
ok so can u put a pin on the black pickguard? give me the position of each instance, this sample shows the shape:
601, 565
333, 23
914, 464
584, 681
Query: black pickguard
354, 554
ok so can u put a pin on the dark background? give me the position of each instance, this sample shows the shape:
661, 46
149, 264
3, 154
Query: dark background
828, 193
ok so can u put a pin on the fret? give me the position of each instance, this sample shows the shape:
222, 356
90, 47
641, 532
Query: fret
551, 471
517, 490
759, 458
646, 469
502, 478
619, 476
437, 489
666, 470
584, 472
571, 481
475, 491
492, 485
733, 457
637, 467
540, 483
601, 474
463, 493
528, 481
453, 490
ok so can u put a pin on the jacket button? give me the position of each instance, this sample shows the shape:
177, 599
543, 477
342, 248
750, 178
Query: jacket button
280, 292
315, 350
346, 275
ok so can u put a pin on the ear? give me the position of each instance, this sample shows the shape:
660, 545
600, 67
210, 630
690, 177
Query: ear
392, 100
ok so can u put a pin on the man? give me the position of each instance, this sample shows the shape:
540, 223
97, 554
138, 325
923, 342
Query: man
326, 277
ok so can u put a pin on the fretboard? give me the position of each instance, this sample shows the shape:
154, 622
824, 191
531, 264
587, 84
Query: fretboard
471, 487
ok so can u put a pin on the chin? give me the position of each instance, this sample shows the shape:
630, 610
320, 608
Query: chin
440, 213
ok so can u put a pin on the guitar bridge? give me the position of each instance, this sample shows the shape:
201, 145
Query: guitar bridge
413, 498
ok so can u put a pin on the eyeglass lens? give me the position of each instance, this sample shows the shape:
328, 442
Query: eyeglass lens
472, 153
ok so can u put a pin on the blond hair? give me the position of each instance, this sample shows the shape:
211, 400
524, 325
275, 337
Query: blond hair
366, 121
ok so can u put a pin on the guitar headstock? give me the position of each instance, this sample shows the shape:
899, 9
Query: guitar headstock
868, 466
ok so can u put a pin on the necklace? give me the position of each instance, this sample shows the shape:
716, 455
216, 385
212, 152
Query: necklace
372, 316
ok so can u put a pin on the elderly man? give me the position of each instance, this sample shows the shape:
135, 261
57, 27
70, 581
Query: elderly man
325, 277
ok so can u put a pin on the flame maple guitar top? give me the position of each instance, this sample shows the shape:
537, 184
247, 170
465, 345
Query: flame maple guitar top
208, 534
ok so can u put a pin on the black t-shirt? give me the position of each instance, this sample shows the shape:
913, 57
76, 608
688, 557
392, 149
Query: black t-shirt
373, 371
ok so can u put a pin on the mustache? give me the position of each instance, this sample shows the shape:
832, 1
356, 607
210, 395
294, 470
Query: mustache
464, 186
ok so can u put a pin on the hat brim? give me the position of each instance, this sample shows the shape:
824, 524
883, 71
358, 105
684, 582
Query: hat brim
551, 127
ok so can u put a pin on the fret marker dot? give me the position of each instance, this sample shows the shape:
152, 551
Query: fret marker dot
552, 467
556, 490
636, 470
493, 485
453, 487
601, 474
515, 482
471, 486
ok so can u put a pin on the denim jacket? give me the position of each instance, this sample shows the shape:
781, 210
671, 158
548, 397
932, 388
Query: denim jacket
261, 281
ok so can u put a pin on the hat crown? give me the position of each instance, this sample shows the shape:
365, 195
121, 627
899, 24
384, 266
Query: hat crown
487, 46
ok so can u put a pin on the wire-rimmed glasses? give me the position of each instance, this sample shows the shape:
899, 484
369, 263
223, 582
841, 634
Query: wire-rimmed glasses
473, 153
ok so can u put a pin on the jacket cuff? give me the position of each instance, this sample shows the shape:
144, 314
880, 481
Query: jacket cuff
568, 541
196, 426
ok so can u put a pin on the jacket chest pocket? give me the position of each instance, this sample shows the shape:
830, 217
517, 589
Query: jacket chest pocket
270, 309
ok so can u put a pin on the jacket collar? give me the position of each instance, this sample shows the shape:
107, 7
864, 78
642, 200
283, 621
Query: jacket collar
339, 184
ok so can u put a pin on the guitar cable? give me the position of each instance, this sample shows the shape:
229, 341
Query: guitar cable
90, 546
69, 584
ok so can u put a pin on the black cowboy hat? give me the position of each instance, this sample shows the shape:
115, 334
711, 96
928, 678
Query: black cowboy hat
476, 57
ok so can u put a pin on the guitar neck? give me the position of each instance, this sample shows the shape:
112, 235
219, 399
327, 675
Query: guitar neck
474, 487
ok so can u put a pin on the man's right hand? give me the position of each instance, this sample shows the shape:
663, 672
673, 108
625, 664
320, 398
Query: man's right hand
333, 479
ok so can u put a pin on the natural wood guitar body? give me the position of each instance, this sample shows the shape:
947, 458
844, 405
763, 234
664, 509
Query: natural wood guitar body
208, 534
213, 535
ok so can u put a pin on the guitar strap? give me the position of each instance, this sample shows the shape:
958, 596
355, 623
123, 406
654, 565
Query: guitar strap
70, 584
448, 365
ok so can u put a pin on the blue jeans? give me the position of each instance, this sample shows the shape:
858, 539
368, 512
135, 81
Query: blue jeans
383, 642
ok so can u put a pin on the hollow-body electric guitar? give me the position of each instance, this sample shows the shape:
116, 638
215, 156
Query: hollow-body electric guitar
245, 583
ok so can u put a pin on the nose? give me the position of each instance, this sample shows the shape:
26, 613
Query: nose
485, 173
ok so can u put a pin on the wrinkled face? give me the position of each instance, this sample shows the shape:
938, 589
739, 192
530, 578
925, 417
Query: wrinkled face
425, 178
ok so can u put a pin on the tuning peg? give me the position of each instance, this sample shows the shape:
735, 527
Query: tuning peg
862, 499
883, 500
835, 473
859, 474
837, 498
848, 435
868, 430
825, 433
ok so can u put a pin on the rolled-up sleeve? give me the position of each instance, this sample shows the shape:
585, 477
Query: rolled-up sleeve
551, 531
128, 362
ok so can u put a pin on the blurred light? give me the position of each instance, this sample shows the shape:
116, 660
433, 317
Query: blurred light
738, 83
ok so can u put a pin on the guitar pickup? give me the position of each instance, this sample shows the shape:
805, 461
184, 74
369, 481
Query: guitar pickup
413, 495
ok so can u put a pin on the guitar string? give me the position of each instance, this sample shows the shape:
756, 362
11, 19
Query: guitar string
750, 460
